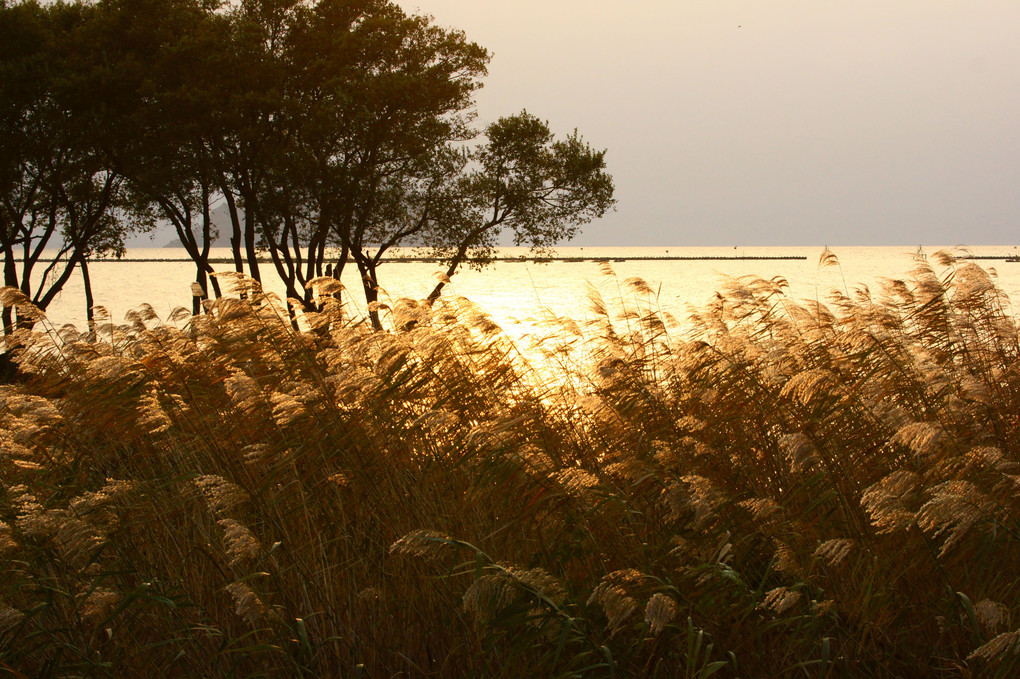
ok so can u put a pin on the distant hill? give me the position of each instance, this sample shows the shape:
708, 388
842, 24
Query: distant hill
221, 224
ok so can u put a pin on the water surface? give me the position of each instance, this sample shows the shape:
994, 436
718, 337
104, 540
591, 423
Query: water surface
512, 291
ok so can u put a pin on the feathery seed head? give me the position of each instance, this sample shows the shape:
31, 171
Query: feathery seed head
765, 510
785, 560
972, 283
152, 418
493, 592
660, 611
800, 452
242, 545
247, 602
639, 286
991, 615
974, 389
887, 501
809, 385
827, 258
990, 457
999, 649
421, 543
833, 552
9, 618
114, 368
577, 482
955, 506
488, 595
7, 541
257, 454
99, 604
325, 285
627, 469
779, 600
286, 409
220, 495
611, 594
13, 297
922, 438
705, 498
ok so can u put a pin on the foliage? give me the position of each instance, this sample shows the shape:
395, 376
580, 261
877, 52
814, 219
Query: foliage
525, 182
59, 187
787, 489
332, 131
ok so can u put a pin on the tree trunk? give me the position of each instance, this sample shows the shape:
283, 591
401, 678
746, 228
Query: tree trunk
202, 263
89, 301
370, 283
458, 259
341, 261
250, 231
196, 300
235, 235
10, 279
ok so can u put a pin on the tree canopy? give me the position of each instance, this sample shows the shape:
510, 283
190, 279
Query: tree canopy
332, 131
60, 188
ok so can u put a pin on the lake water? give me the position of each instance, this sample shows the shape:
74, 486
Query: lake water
515, 291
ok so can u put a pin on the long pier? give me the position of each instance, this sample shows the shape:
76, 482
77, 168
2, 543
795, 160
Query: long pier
433, 260
524, 258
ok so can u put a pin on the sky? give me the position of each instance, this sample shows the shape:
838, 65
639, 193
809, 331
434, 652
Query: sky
780, 122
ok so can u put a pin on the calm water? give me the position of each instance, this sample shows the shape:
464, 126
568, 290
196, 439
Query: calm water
514, 291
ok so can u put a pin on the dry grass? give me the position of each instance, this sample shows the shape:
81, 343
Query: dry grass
790, 490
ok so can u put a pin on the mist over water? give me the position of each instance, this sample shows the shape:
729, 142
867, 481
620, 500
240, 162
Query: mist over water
519, 291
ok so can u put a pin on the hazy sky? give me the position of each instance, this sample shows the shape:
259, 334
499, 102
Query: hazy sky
780, 122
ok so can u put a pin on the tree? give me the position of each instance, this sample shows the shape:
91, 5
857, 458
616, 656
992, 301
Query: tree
322, 125
381, 143
525, 182
167, 157
373, 100
25, 37
59, 188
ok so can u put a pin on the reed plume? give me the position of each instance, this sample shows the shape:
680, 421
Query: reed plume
769, 487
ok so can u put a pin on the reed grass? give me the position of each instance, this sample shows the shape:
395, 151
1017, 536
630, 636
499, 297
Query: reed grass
788, 489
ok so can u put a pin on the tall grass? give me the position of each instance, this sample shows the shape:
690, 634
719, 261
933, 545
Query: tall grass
787, 489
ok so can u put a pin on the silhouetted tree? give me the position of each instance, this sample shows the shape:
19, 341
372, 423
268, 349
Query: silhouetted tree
167, 155
525, 182
61, 194
321, 124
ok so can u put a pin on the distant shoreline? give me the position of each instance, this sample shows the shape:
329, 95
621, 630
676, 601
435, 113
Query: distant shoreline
541, 260
433, 260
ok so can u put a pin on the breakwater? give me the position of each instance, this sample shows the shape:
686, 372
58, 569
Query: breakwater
434, 260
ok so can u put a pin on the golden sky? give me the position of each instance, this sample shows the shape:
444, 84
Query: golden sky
773, 122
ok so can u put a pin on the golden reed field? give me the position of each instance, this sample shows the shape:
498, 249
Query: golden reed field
787, 490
